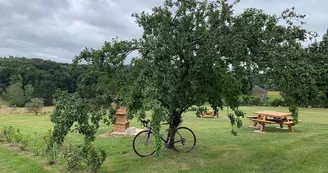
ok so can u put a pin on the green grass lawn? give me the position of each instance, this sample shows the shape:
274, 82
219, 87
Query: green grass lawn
273, 95
216, 149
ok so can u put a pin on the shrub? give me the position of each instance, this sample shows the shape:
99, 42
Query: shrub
35, 105
278, 102
9, 133
18, 137
24, 143
38, 146
72, 156
96, 159
255, 101
93, 158
52, 154
52, 148
2, 135
15, 95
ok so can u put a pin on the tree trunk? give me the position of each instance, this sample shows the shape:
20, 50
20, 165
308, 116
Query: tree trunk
175, 119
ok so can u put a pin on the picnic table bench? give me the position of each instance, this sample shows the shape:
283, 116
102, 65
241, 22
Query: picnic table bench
209, 112
272, 117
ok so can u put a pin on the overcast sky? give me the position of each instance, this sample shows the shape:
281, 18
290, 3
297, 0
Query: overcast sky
59, 29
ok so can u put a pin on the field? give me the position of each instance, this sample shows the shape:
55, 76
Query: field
273, 95
216, 149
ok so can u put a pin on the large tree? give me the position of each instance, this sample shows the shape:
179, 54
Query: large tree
182, 61
192, 52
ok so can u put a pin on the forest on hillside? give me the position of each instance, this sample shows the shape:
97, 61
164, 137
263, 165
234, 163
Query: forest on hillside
24, 78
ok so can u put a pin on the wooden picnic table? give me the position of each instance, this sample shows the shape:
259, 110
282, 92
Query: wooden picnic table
272, 117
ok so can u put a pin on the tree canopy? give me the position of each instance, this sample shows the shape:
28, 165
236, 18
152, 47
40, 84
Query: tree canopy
192, 52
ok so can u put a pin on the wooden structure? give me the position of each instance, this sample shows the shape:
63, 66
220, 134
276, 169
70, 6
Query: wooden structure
209, 112
259, 92
272, 117
121, 122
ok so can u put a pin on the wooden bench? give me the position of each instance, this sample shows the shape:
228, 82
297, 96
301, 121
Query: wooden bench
290, 124
252, 117
264, 121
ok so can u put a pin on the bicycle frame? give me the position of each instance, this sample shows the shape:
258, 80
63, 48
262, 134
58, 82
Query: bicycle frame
166, 142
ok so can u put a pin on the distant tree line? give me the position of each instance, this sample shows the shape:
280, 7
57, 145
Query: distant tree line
22, 79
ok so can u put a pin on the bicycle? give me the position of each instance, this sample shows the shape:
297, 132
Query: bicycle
144, 143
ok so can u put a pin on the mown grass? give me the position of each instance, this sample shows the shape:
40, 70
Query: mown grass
272, 95
13, 161
216, 149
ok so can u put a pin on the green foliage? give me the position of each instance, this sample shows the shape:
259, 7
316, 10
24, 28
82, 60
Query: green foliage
16, 78
36, 73
52, 148
92, 157
86, 113
294, 110
157, 118
199, 111
24, 142
72, 155
29, 91
18, 137
52, 154
247, 100
96, 159
235, 120
278, 102
38, 145
9, 133
15, 95
13, 135
35, 105
2, 135
45, 90
181, 58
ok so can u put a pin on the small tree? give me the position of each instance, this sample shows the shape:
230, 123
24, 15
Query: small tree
29, 90
35, 105
15, 95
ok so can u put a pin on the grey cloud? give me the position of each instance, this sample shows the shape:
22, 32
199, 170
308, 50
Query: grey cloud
315, 10
60, 29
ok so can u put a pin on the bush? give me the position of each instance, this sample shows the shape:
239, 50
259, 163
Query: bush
15, 95
52, 148
35, 105
255, 101
24, 143
2, 135
9, 133
246, 100
52, 154
96, 159
93, 158
38, 146
72, 156
18, 137
278, 102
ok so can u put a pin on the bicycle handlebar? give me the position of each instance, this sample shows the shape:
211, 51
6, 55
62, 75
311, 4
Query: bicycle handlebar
144, 122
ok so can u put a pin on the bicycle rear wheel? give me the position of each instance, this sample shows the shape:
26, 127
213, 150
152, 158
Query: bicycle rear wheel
144, 144
184, 140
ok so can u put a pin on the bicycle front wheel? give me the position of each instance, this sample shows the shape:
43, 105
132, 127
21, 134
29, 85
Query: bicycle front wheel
144, 143
184, 140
